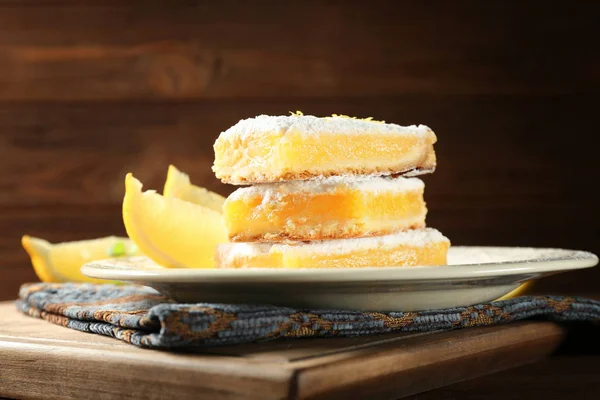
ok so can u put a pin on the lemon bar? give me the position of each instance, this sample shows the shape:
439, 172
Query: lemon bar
328, 208
298, 147
407, 248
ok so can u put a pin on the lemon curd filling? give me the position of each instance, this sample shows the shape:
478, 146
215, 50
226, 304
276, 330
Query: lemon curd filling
332, 192
272, 149
409, 248
329, 208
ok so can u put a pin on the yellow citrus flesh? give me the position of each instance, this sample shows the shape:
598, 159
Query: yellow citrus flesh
61, 262
519, 291
178, 185
172, 232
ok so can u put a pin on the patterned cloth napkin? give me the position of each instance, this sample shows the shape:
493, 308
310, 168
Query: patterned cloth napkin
143, 317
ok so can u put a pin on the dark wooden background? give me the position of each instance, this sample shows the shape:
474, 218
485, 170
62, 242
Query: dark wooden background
90, 90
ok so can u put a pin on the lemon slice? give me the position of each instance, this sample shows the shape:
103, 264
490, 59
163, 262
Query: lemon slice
61, 262
178, 185
518, 291
172, 232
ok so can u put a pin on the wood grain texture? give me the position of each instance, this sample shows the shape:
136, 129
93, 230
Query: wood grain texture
90, 90
429, 364
508, 173
106, 50
54, 223
41, 360
557, 378
504, 152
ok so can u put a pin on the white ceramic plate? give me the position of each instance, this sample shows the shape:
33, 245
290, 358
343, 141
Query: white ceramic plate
475, 275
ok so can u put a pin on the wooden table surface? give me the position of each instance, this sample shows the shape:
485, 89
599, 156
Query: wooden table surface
92, 90
41, 360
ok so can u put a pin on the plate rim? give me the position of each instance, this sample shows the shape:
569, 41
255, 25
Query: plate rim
571, 260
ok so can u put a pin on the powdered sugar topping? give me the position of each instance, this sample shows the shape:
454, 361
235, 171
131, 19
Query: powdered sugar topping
414, 237
230, 251
311, 125
274, 191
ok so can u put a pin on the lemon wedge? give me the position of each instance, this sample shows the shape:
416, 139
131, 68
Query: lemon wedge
172, 232
61, 262
519, 291
178, 185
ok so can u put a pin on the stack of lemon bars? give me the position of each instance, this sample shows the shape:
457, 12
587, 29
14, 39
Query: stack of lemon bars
333, 192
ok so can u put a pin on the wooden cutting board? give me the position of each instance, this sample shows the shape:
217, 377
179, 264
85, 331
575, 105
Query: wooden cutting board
41, 360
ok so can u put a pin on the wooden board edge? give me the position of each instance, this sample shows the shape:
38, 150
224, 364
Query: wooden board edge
427, 363
36, 370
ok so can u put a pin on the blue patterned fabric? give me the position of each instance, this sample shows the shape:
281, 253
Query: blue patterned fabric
143, 317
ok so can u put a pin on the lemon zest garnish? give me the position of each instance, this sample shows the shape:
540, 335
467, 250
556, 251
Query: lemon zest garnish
342, 116
368, 119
